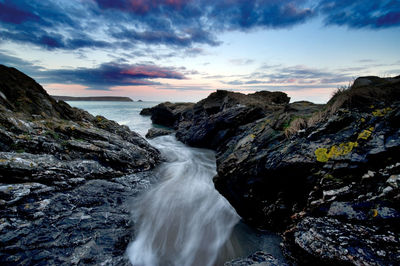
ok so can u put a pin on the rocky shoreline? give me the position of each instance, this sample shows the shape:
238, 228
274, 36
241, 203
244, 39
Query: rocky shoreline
66, 178
326, 176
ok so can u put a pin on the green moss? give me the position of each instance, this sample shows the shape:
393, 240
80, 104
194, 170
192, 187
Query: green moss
53, 134
64, 143
329, 176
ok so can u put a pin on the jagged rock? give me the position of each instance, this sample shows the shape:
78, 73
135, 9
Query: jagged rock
280, 164
166, 114
89, 224
259, 258
32, 123
326, 241
66, 179
156, 132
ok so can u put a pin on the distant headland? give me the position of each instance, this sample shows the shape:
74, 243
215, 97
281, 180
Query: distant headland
95, 98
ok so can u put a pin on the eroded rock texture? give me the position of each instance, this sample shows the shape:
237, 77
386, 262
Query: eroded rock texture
66, 179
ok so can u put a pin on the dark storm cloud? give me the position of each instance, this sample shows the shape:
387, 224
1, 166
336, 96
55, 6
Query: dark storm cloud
47, 24
15, 15
123, 24
361, 13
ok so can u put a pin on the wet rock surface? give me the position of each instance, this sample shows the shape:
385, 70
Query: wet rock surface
259, 258
286, 165
89, 224
156, 132
66, 179
330, 241
166, 114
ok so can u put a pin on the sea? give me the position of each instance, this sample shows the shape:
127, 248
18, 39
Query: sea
182, 219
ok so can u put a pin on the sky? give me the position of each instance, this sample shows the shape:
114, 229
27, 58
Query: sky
182, 50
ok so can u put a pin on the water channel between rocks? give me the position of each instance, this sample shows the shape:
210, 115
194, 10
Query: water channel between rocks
182, 219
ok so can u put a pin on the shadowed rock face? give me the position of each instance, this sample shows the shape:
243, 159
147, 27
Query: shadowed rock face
167, 114
34, 125
335, 164
66, 178
20, 93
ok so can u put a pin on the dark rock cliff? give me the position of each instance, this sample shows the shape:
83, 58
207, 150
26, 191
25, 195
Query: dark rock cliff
66, 178
308, 170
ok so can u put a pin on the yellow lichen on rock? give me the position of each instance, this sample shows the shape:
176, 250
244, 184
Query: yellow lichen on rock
342, 149
381, 112
365, 134
323, 155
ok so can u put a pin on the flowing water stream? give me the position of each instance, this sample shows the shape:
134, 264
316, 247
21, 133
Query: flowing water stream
182, 219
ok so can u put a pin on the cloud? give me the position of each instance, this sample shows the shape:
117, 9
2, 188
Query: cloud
187, 88
11, 13
241, 61
103, 77
241, 82
30, 68
280, 77
75, 24
111, 74
374, 14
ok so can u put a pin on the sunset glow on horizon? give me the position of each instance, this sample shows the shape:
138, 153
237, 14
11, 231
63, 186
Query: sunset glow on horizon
182, 50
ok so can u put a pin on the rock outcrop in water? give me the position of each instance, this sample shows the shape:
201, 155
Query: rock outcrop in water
167, 113
65, 179
327, 176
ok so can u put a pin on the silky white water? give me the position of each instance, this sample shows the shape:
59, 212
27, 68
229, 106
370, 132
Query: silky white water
182, 219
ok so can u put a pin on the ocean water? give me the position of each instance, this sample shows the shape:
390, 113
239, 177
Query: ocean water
182, 219
125, 113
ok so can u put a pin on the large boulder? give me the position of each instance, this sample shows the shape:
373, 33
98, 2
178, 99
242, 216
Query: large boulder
211, 122
167, 114
157, 132
33, 125
341, 162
